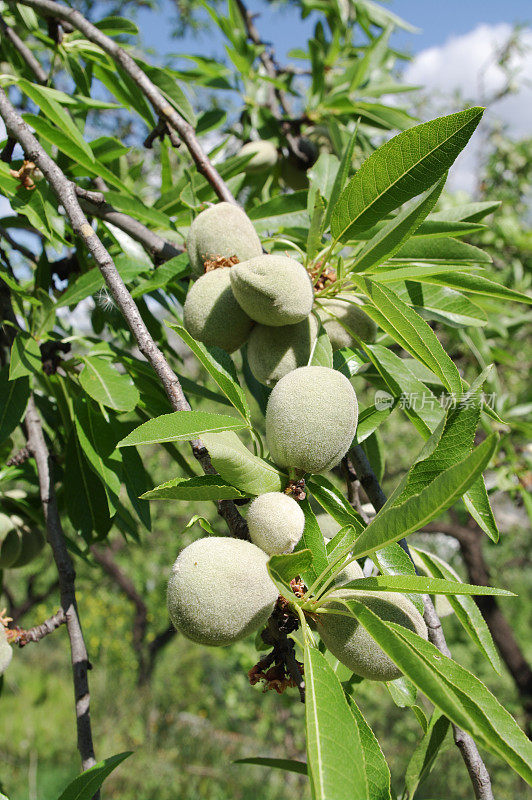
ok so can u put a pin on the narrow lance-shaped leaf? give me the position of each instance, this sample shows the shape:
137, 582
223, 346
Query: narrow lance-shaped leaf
180, 426
201, 487
400, 169
419, 584
85, 786
412, 332
334, 751
393, 523
455, 691
465, 608
392, 235
220, 367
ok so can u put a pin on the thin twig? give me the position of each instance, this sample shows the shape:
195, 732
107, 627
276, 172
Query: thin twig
162, 107
476, 768
22, 636
24, 51
67, 588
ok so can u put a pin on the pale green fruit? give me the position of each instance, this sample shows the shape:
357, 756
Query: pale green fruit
264, 155
10, 548
351, 643
32, 542
351, 572
223, 231
273, 290
311, 418
220, 590
343, 316
274, 352
5, 650
275, 522
212, 315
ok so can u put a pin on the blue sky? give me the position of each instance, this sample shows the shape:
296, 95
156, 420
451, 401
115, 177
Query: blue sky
437, 19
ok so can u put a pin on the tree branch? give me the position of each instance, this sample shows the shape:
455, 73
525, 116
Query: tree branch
476, 768
162, 107
470, 541
24, 51
67, 575
23, 636
66, 194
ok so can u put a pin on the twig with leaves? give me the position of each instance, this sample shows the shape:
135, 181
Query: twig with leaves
476, 767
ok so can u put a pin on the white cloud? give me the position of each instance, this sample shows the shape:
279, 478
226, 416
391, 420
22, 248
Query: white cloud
465, 68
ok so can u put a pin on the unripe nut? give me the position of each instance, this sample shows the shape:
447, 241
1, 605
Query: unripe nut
311, 419
212, 315
351, 572
350, 642
276, 522
5, 650
273, 290
223, 230
274, 352
342, 316
264, 155
220, 590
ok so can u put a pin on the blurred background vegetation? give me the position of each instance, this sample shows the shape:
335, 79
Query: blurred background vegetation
188, 712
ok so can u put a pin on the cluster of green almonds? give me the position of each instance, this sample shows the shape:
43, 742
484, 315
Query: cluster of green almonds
220, 589
243, 295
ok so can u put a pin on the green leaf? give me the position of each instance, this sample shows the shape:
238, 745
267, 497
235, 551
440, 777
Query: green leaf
43, 97
477, 284
322, 354
220, 366
478, 504
452, 689
407, 388
439, 303
86, 500
276, 763
83, 286
421, 585
341, 175
96, 438
72, 149
201, 487
392, 235
333, 501
400, 169
285, 567
107, 386
411, 332
14, 397
377, 770
25, 356
135, 208
85, 786
334, 752
370, 419
468, 212
393, 523
425, 753
112, 26
249, 473
440, 251
312, 539
180, 426
465, 609
137, 482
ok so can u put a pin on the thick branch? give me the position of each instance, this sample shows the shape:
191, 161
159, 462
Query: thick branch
163, 109
476, 768
66, 574
66, 195
24, 51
